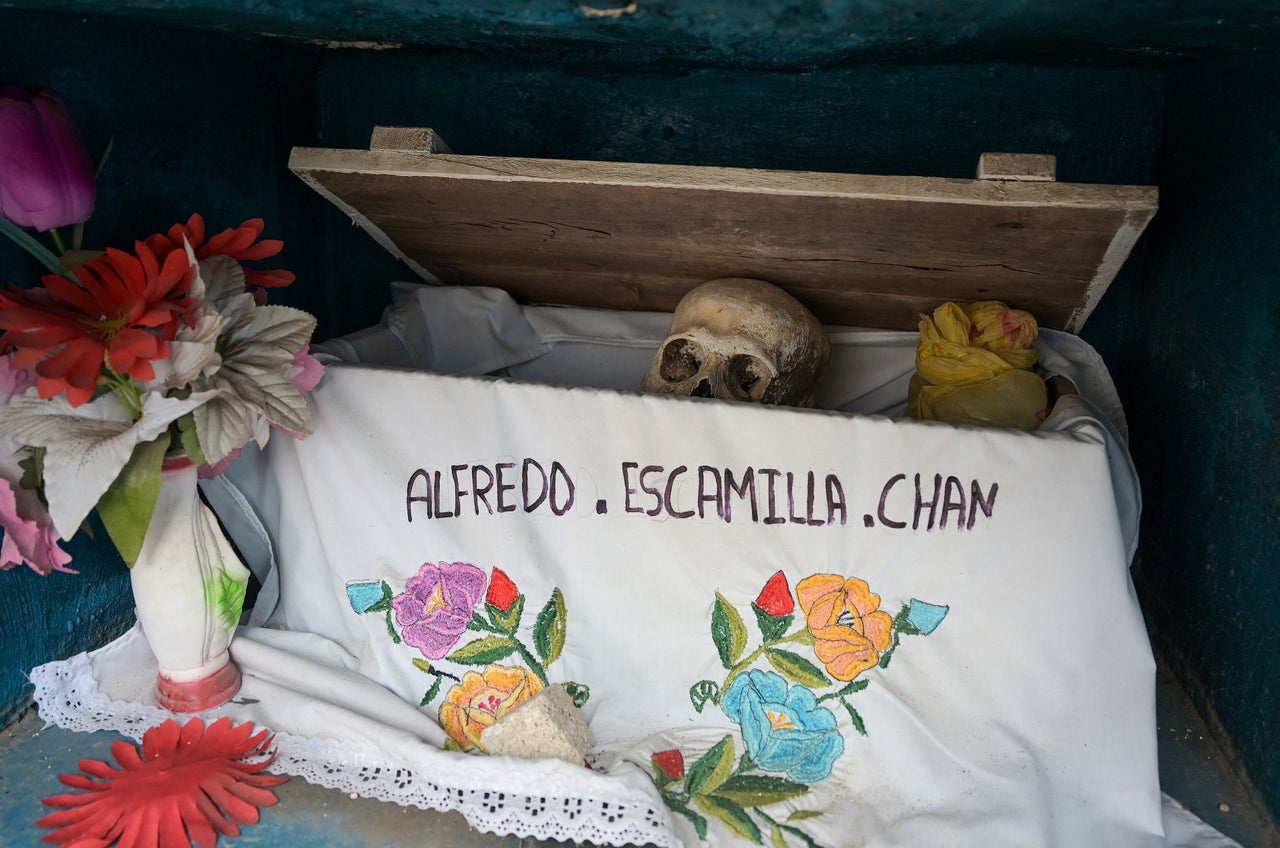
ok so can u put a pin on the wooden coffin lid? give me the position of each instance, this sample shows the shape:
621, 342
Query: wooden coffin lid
870, 251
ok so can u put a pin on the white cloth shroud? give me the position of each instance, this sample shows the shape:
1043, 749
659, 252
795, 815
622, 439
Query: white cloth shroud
784, 626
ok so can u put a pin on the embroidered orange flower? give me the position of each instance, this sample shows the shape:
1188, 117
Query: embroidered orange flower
122, 314
844, 616
472, 706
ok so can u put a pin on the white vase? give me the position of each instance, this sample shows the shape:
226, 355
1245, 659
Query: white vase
188, 586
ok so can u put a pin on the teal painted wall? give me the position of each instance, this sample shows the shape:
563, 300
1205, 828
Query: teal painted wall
204, 111
1204, 401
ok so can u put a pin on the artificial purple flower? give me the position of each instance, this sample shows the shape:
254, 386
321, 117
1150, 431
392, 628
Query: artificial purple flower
46, 178
436, 604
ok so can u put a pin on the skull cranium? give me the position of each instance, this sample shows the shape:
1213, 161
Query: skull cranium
741, 339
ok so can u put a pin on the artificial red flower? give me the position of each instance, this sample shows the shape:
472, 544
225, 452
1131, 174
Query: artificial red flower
189, 785
502, 592
121, 315
670, 763
241, 244
775, 598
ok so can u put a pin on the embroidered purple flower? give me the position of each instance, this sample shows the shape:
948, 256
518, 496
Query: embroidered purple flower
436, 604
783, 727
46, 178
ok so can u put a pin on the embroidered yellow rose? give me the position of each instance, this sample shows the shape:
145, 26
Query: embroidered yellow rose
479, 700
844, 616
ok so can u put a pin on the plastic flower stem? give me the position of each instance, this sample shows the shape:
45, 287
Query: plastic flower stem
799, 636
128, 393
77, 234
44, 255
58, 243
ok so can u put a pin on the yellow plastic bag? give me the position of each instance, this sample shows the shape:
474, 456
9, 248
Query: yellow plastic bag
973, 366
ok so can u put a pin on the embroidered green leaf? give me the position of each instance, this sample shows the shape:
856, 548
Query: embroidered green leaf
675, 805
703, 691
759, 790
507, 621
431, 693
853, 686
489, 649
800, 834
801, 815
730, 815
854, 717
712, 769
126, 507
549, 629
422, 665
477, 622
727, 631
797, 668
772, 628
579, 692
450, 745
225, 596
775, 834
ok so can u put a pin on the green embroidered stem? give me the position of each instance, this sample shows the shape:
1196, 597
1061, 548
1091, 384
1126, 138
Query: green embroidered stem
799, 636
534, 665
794, 831
478, 623
25, 241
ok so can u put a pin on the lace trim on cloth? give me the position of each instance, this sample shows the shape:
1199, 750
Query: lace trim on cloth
69, 697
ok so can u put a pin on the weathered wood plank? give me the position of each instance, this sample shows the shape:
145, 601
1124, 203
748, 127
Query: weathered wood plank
857, 249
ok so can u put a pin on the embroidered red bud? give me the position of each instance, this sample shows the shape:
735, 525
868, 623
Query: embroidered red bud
502, 592
775, 598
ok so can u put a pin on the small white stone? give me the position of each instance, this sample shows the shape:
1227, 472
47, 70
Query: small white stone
546, 725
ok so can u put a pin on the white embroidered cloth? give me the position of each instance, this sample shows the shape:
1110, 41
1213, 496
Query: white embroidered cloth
789, 627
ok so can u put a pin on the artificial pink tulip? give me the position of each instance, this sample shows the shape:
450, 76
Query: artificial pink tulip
46, 178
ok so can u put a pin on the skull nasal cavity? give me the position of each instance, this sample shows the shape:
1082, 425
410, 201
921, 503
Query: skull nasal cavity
681, 359
703, 389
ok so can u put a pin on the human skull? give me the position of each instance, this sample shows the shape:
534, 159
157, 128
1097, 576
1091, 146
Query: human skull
741, 339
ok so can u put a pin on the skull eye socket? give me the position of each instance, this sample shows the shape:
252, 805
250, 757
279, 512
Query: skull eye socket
747, 377
681, 359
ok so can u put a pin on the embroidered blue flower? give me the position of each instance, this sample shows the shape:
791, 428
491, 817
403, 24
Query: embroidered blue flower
925, 617
364, 594
783, 727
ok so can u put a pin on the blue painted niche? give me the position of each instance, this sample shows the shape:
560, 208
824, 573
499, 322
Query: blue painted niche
206, 97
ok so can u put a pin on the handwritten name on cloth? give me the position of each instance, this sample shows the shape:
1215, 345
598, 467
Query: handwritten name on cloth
783, 626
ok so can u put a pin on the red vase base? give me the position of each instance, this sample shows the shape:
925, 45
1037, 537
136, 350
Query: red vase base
196, 696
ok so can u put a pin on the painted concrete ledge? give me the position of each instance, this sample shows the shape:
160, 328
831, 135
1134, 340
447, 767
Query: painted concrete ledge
764, 33
1192, 769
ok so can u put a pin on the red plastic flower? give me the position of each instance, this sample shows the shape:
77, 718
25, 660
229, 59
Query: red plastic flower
670, 763
120, 315
189, 785
502, 592
775, 598
241, 244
